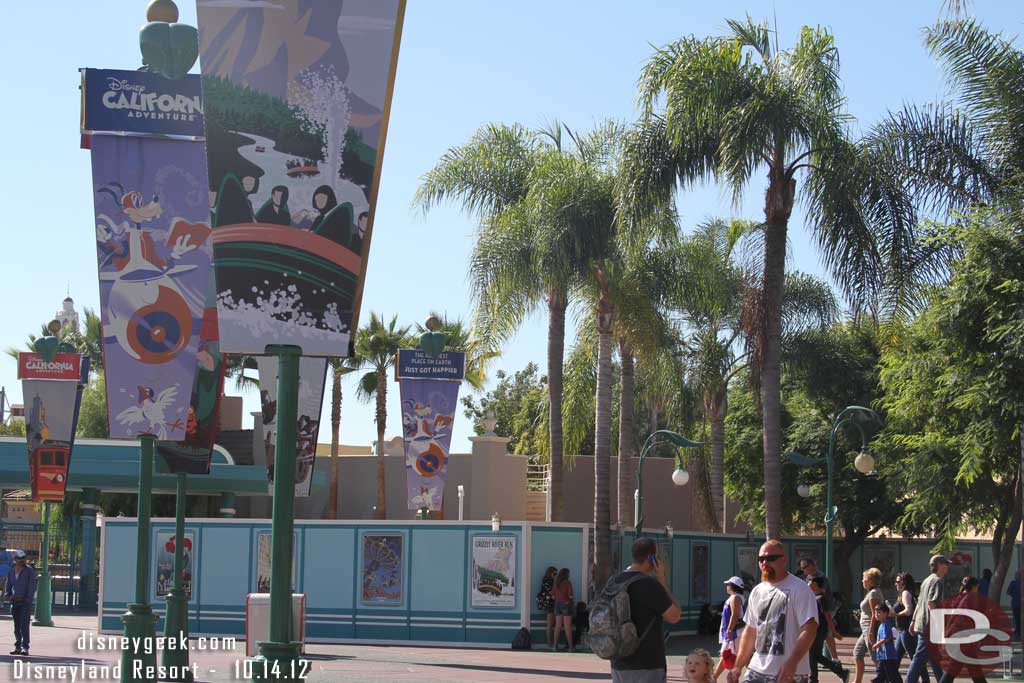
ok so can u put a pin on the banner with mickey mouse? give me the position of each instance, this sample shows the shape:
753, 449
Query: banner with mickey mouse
429, 388
153, 248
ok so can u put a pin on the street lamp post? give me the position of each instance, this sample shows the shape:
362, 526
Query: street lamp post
864, 464
679, 476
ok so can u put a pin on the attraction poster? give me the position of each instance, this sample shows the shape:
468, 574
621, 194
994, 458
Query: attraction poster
383, 564
153, 252
809, 551
312, 375
886, 560
746, 564
296, 96
263, 546
493, 574
699, 573
52, 391
664, 558
165, 543
961, 564
429, 388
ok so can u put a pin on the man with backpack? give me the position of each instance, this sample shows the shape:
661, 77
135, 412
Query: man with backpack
782, 621
625, 618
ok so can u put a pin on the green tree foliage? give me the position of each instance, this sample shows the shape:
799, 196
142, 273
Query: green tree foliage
954, 395
92, 416
519, 402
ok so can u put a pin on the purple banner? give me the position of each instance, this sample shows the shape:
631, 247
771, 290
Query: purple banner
153, 252
312, 373
428, 414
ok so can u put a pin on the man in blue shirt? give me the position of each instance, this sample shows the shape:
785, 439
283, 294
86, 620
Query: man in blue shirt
21, 592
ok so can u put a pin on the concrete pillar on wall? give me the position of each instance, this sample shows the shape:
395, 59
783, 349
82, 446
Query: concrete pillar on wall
227, 504
87, 569
497, 481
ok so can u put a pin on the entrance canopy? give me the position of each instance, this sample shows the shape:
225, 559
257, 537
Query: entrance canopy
113, 466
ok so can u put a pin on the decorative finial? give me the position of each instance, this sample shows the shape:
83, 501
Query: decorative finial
432, 342
168, 48
54, 327
162, 10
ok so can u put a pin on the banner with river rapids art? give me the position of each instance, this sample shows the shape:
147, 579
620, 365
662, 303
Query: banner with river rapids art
296, 96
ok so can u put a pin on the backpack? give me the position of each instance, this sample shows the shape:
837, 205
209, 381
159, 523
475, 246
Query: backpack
523, 640
612, 632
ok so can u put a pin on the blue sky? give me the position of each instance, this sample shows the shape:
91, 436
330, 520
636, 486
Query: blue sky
463, 63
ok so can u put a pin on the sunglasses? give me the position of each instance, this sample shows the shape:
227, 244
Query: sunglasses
768, 558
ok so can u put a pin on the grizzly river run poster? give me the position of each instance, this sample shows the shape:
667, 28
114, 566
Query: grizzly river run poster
296, 96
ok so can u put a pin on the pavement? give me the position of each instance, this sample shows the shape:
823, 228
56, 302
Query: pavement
59, 646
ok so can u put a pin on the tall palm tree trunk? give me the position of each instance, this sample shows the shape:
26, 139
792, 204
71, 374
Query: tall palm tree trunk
332, 506
557, 303
382, 416
602, 440
627, 438
778, 207
715, 407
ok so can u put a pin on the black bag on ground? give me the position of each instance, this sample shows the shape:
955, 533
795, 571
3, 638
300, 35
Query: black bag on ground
523, 640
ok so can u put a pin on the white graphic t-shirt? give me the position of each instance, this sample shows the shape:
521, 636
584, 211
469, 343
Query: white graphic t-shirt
777, 612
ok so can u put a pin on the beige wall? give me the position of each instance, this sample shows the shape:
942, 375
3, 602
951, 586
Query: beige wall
663, 500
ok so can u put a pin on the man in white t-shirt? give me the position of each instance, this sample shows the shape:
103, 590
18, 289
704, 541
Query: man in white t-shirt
781, 619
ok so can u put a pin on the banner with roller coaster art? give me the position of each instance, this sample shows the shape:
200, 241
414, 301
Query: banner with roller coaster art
296, 97
312, 375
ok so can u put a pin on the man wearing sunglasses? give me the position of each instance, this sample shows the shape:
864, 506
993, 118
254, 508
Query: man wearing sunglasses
782, 620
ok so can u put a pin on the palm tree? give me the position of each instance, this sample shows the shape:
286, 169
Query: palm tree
376, 346
339, 368
943, 158
735, 106
513, 272
713, 292
575, 203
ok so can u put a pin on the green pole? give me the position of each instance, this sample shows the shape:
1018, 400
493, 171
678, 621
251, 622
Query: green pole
175, 659
830, 516
278, 654
638, 514
139, 622
44, 596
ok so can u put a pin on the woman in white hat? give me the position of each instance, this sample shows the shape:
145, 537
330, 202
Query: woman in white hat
732, 615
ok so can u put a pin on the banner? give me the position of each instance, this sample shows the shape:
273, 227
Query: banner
312, 375
296, 96
494, 572
153, 251
429, 388
193, 453
52, 392
140, 102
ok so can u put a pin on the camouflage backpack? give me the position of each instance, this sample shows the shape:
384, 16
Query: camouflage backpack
612, 632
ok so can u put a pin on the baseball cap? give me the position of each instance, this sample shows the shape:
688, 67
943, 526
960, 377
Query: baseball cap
735, 580
938, 558
19, 554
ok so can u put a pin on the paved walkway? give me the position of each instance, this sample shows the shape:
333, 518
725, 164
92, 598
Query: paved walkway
58, 646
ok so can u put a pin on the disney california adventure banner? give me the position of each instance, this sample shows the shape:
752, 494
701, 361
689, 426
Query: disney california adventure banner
152, 224
296, 96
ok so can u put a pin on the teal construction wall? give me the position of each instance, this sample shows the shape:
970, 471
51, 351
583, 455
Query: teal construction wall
435, 605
